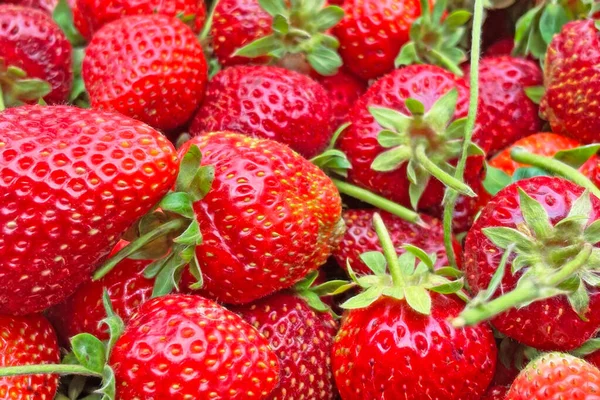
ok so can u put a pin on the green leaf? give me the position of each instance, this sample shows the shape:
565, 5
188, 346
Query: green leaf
273, 7
188, 168
524, 29
155, 266
418, 299
442, 111
449, 272
168, 278
329, 17
503, 237
439, 8
363, 299
415, 106
420, 254
191, 236
449, 287
581, 207
535, 215
391, 160
589, 347
535, 93
475, 150
528, 172
260, 47
324, 60
578, 156
407, 56
495, 180
592, 232
90, 351
178, 203
407, 263
457, 18
332, 288
456, 130
416, 190
552, 20
390, 119
314, 301
202, 182
109, 386
308, 281
281, 24
387, 139
375, 260
580, 301
63, 16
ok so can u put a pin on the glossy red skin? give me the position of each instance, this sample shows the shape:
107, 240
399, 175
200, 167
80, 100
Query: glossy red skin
502, 83
98, 13
73, 181
183, 346
23, 341
83, 311
361, 237
548, 324
594, 358
572, 101
495, 393
556, 378
148, 67
425, 83
389, 351
343, 89
237, 23
302, 339
271, 217
372, 33
30, 40
502, 47
270, 103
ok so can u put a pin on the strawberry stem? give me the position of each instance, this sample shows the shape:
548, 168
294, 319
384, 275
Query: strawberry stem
557, 167
452, 195
378, 201
389, 251
61, 369
442, 175
529, 290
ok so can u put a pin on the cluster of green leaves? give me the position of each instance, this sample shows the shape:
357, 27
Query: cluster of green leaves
16, 87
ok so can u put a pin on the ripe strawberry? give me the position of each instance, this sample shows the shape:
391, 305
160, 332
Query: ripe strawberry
360, 237
531, 215
98, 13
33, 43
556, 376
83, 311
149, 67
502, 47
343, 89
184, 347
495, 393
502, 83
72, 182
44, 5
270, 103
372, 33
302, 339
571, 100
594, 359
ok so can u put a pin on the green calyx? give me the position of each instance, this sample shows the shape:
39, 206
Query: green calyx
63, 16
557, 259
435, 39
312, 293
299, 28
169, 236
426, 141
16, 88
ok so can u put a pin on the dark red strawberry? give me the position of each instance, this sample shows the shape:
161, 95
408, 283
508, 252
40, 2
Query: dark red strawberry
496, 393
343, 89
594, 358
270, 103
550, 225
35, 57
150, 68
502, 84
23, 341
302, 339
98, 13
72, 182
502, 47
83, 311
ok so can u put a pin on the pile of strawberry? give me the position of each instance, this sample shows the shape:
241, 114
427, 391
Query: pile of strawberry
299, 199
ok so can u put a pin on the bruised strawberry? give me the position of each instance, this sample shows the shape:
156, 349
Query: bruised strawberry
72, 182
343, 89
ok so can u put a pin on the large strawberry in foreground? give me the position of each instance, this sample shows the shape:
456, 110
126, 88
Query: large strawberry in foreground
72, 181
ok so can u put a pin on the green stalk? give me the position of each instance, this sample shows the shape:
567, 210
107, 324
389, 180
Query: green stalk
389, 251
452, 195
559, 168
441, 175
61, 369
378, 201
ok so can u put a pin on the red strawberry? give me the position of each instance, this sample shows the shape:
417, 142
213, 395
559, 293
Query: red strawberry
302, 339
556, 376
44, 5
360, 237
571, 101
187, 347
33, 43
83, 311
150, 68
72, 182
343, 89
502, 47
23, 341
531, 215
270, 103
594, 359
98, 13
502, 83
495, 393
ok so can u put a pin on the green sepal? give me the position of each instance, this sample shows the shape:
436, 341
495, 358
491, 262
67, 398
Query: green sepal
391, 119
333, 288
528, 172
196, 271
78, 94
450, 287
307, 281
418, 183
329, 17
333, 161
591, 234
580, 301
535, 93
442, 111
323, 59
16, 87
589, 347
113, 322
375, 261
535, 215
178, 203
552, 19
449, 272
76, 387
273, 7
387, 139
89, 351
63, 16
495, 180
418, 299
421, 255
109, 384
415, 107
578, 156
191, 236
260, 47
504, 237
391, 160
363, 299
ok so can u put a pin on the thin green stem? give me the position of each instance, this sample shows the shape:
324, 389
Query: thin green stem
452, 195
522, 156
440, 174
162, 230
60, 369
378, 201
389, 251
209, 20
2, 105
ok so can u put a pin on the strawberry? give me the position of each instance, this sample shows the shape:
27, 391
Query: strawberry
343, 89
502, 47
502, 84
98, 13
72, 182
372, 33
570, 102
83, 312
556, 376
35, 57
360, 237
495, 393
27, 340
544, 230
270, 103
302, 338
161, 84
44, 5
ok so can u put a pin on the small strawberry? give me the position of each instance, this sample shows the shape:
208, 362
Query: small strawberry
302, 339
556, 376
72, 182
343, 89
270, 103
23, 341
35, 58
149, 67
